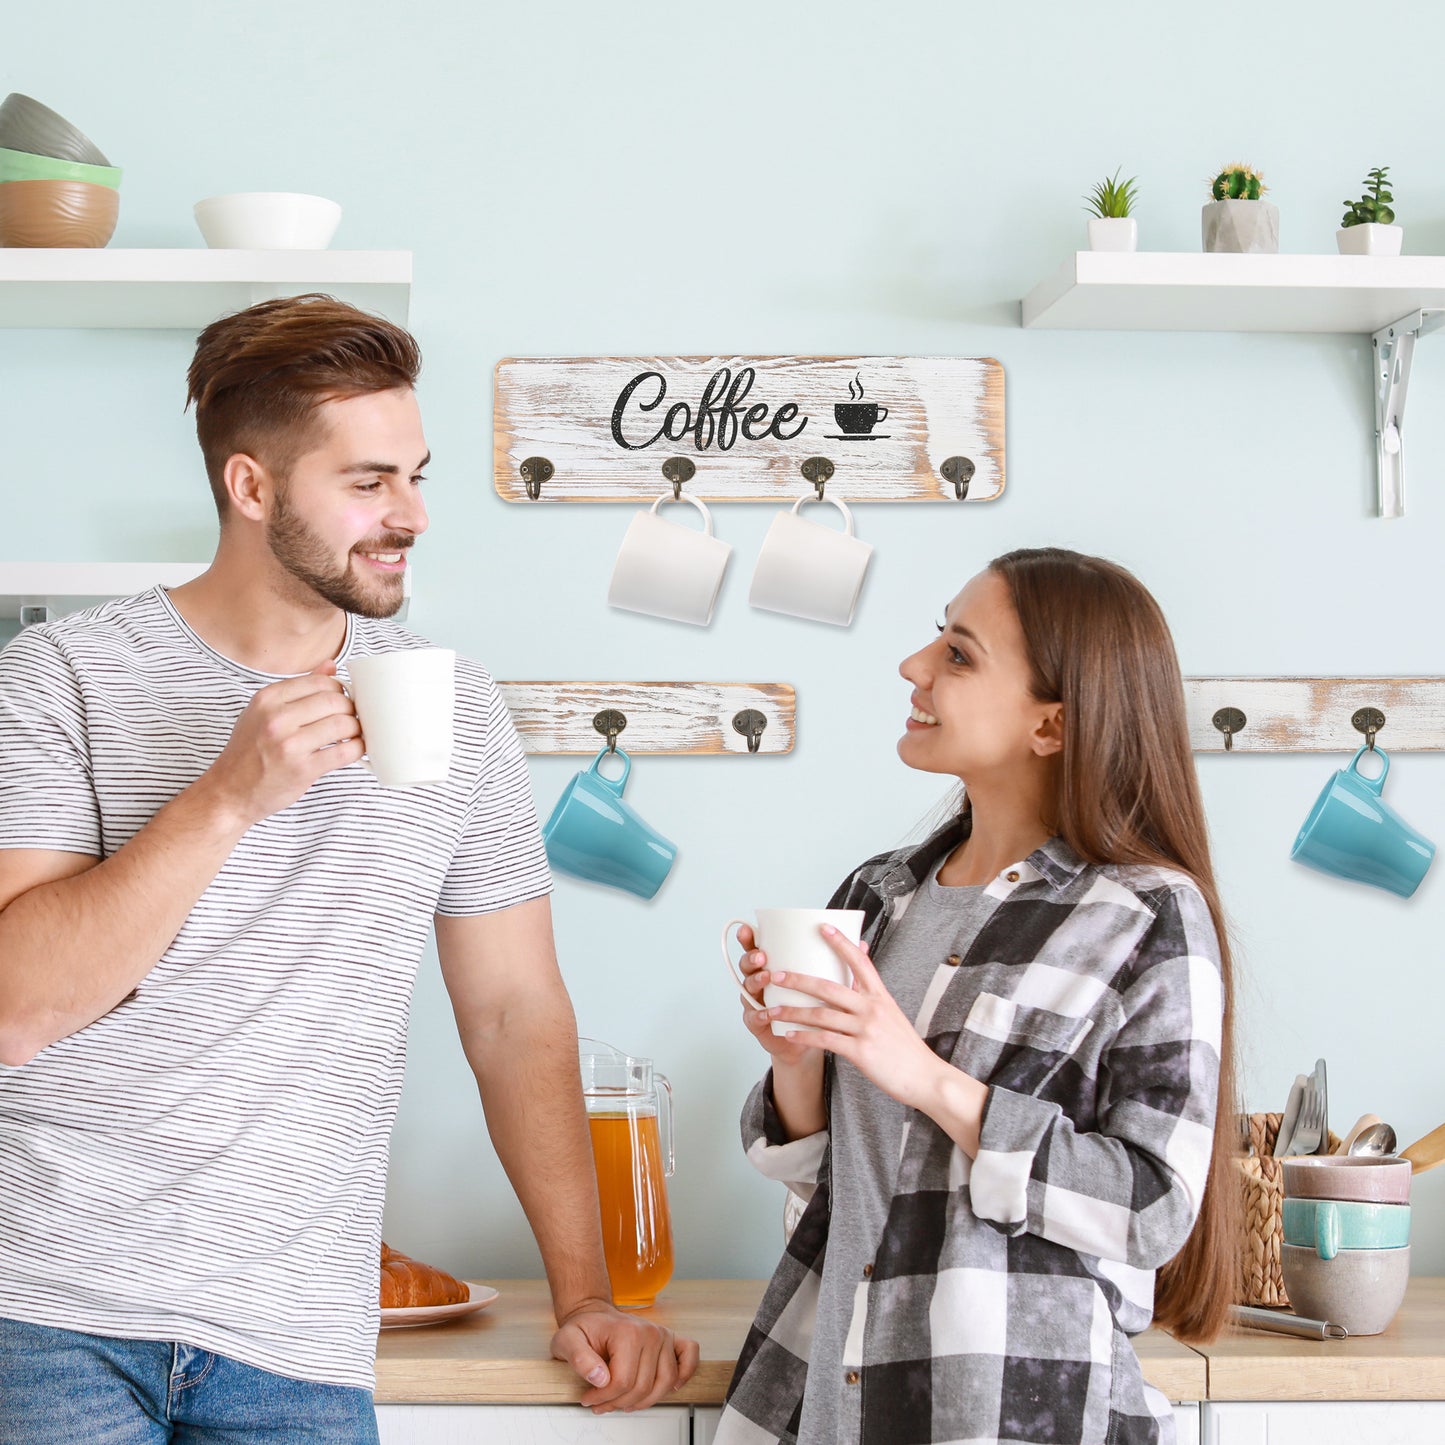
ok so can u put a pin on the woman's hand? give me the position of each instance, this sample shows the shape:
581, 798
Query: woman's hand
756, 978
862, 1024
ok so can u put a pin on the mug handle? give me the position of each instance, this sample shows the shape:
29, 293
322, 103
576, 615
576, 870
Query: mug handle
732, 967
693, 501
1327, 1229
365, 758
1376, 785
838, 502
616, 784
882, 413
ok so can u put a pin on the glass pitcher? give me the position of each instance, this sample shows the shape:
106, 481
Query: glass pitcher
623, 1095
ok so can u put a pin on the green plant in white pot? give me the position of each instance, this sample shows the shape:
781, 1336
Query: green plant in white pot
1110, 204
1367, 228
1238, 218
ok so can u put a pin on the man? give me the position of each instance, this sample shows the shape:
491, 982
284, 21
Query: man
210, 919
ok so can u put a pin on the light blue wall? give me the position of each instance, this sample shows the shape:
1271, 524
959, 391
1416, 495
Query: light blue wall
842, 178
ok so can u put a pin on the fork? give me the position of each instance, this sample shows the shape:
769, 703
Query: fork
1310, 1127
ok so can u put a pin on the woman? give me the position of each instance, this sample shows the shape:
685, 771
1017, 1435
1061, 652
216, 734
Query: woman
1004, 1131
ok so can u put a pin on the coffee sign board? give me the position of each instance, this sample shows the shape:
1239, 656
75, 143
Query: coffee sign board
893, 428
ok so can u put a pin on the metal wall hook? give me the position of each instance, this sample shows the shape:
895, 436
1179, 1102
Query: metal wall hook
817, 470
750, 723
678, 470
611, 722
1368, 720
1229, 720
535, 471
959, 471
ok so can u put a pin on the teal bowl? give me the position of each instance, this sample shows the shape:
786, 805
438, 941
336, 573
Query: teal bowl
1329, 1225
23, 166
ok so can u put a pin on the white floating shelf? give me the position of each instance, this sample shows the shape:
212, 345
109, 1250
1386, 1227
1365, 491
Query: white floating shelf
68, 586
1188, 291
186, 289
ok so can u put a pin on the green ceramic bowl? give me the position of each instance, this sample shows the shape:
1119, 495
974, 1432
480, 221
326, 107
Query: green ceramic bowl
23, 166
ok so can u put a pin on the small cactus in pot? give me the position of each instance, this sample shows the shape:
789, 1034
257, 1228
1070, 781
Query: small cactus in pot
1367, 228
1237, 218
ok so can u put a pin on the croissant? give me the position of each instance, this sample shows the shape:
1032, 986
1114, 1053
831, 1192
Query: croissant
407, 1283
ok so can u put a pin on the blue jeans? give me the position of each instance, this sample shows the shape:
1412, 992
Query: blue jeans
60, 1387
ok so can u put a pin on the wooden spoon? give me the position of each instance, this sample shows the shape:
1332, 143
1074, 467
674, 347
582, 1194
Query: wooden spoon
1426, 1153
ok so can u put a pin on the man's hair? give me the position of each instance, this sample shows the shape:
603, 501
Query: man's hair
259, 376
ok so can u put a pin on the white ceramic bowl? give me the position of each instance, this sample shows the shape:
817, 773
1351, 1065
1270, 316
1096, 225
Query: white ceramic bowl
267, 221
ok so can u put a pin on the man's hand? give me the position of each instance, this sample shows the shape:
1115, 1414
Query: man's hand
291, 733
630, 1363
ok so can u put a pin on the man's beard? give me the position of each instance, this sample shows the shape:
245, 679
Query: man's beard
307, 558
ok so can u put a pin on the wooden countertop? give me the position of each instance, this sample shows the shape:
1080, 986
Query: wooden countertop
1407, 1362
498, 1356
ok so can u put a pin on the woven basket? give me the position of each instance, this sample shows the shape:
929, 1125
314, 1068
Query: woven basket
1261, 1277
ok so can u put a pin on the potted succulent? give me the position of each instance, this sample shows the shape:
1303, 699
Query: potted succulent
1367, 229
1238, 218
1112, 226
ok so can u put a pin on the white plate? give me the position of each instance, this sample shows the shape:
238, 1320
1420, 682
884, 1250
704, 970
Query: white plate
479, 1296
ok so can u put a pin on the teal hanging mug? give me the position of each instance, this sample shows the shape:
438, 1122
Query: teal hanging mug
592, 834
1353, 833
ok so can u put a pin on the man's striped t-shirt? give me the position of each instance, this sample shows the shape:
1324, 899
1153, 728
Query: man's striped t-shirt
206, 1163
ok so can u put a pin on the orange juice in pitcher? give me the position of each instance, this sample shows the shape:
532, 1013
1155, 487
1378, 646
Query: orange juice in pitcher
623, 1096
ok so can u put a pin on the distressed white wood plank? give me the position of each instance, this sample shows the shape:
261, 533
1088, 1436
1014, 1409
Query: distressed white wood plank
662, 717
1312, 714
562, 408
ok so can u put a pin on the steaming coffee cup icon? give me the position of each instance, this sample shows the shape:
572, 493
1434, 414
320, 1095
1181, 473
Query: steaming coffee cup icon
858, 418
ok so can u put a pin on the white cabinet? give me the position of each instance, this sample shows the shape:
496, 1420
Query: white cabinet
1186, 1425
529, 1425
1324, 1422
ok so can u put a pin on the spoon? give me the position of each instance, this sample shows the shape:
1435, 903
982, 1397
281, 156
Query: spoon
1373, 1140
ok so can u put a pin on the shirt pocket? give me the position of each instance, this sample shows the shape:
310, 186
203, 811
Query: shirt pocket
1016, 1047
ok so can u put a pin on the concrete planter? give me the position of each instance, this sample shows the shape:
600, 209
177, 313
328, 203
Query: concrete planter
1250, 227
1369, 239
1113, 233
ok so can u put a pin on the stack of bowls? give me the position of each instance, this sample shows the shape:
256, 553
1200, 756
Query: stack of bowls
1346, 1251
56, 187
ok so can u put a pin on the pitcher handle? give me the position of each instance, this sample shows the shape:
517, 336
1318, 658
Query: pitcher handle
671, 1162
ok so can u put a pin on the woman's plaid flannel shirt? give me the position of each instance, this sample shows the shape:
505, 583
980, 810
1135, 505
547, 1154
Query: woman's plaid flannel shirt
1000, 1300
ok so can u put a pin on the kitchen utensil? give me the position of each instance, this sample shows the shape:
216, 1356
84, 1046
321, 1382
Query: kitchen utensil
267, 221
623, 1097
1378, 1139
26, 125
1360, 1177
1322, 1089
1310, 1129
23, 166
1286, 1324
57, 213
1356, 1129
479, 1296
1360, 1289
1426, 1153
1290, 1117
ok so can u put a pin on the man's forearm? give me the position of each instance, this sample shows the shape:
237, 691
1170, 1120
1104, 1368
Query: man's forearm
71, 950
527, 1072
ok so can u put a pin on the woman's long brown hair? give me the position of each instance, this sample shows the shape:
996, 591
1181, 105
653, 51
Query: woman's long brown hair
1127, 793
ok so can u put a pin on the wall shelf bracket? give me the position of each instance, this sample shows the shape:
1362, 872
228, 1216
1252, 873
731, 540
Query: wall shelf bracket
1394, 354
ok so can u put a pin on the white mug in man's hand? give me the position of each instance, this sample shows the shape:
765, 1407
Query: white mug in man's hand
792, 939
404, 701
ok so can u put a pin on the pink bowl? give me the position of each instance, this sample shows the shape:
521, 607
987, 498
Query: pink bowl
1367, 1180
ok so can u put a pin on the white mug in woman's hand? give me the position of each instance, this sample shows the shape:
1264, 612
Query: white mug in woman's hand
792, 939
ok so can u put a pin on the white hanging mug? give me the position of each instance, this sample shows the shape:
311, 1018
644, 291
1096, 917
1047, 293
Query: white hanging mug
667, 570
808, 570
